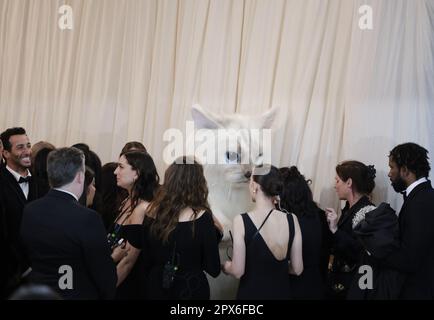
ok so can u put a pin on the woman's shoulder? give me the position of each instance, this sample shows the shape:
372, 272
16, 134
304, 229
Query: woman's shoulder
204, 215
201, 215
361, 213
148, 219
139, 213
285, 215
142, 206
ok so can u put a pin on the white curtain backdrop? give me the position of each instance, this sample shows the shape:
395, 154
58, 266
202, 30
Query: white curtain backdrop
130, 69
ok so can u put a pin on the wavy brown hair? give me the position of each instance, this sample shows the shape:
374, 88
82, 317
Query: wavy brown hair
184, 187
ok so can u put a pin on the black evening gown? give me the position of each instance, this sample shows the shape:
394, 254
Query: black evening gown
133, 286
265, 277
310, 285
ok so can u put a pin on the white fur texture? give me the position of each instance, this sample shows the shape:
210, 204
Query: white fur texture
228, 187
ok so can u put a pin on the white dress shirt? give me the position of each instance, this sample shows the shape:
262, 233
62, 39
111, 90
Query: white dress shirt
70, 193
25, 185
414, 185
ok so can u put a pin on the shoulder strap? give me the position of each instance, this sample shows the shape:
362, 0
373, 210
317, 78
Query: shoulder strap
245, 217
291, 233
259, 229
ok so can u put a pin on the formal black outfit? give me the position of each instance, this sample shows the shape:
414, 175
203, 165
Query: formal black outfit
265, 277
347, 251
4, 272
193, 249
133, 285
310, 285
415, 257
13, 202
378, 231
56, 231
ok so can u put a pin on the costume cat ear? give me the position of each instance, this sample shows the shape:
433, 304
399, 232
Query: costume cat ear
267, 118
205, 119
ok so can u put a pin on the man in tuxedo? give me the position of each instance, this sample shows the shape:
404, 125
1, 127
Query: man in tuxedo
66, 242
409, 170
16, 190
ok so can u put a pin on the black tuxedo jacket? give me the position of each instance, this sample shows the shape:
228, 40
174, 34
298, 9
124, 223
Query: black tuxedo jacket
4, 272
57, 231
415, 256
13, 202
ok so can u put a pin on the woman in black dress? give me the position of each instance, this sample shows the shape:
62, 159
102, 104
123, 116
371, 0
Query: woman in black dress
137, 174
267, 242
181, 239
354, 183
296, 197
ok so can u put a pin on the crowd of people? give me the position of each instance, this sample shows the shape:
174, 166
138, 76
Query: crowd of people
73, 228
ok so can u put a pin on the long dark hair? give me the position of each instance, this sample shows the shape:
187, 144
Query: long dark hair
111, 196
296, 196
147, 183
89, 175
184, 186
39, 171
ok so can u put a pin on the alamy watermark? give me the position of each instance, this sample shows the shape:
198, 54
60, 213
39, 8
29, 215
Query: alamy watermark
66, 280
367, 279
219, 146
366, 18
66, 19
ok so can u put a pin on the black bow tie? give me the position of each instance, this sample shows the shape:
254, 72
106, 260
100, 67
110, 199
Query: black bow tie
24, 179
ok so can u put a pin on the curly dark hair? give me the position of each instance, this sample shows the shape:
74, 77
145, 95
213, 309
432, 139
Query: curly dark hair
184, 186
412, 156
296, 196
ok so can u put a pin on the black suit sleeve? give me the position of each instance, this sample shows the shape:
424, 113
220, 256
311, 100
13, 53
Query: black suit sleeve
416, 236
210, 249
97, 256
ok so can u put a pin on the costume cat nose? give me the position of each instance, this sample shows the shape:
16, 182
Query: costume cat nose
248, 174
